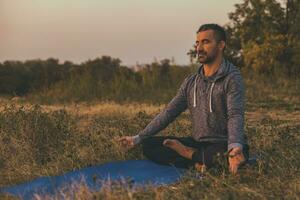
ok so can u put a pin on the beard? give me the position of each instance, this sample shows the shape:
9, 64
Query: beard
206, 58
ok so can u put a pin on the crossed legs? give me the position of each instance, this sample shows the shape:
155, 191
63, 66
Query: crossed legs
181, 152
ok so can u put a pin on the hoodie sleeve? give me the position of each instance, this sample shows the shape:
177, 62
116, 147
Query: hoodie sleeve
176, 106
235, 111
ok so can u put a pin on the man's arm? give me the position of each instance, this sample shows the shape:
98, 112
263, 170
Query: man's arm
235, 112
235, 125
177, 105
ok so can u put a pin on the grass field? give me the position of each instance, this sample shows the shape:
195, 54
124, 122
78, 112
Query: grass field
38, 140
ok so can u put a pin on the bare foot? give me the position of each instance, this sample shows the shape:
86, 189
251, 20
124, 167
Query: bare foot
177, 146
172, 143
200, 168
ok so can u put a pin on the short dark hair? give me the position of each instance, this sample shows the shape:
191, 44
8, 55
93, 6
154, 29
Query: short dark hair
219, 31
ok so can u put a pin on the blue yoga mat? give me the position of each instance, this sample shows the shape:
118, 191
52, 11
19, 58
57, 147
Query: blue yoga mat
139, 172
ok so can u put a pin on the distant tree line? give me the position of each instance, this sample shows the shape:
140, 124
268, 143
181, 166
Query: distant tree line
101, 78
263, 38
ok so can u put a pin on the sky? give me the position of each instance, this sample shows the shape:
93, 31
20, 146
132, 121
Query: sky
135, 31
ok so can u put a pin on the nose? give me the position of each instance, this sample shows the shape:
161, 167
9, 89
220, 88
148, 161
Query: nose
198, 47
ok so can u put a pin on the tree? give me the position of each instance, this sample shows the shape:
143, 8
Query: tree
262, 35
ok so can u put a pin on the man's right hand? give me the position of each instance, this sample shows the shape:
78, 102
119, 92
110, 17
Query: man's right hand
129, 141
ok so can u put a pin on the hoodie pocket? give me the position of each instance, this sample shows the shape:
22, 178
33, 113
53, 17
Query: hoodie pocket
217, 123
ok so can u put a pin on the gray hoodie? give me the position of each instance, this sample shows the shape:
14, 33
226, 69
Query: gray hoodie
216, 104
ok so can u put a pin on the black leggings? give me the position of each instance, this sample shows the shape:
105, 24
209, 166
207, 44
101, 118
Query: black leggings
154, 150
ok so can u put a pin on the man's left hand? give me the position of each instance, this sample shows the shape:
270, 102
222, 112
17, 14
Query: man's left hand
236, 158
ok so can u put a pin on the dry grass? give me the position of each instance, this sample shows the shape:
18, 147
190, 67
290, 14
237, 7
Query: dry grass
82, 136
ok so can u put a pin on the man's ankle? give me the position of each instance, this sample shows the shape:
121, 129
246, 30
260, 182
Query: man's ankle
188, 152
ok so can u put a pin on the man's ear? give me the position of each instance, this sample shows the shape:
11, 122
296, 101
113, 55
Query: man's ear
222, 45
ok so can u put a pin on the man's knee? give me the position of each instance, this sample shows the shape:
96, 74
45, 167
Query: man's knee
246, 152
149, 146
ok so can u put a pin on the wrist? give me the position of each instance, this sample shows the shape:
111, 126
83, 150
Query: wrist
136, 139
232, 146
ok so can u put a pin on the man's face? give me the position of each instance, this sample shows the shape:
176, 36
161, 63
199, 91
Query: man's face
207, 46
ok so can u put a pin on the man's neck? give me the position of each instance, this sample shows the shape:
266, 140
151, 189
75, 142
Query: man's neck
211, 68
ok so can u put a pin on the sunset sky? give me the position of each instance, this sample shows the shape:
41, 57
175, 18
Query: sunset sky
78, 30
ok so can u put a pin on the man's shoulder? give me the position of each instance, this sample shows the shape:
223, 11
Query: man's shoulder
234, 78
189, 79
234, 73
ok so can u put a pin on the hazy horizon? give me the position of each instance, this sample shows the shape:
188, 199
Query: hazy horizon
131, 30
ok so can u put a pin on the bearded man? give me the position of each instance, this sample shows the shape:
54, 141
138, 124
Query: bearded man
215, 98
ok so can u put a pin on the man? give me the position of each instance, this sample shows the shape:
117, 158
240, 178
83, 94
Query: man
215, 98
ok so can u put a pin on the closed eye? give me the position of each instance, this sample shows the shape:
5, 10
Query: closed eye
205, 41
